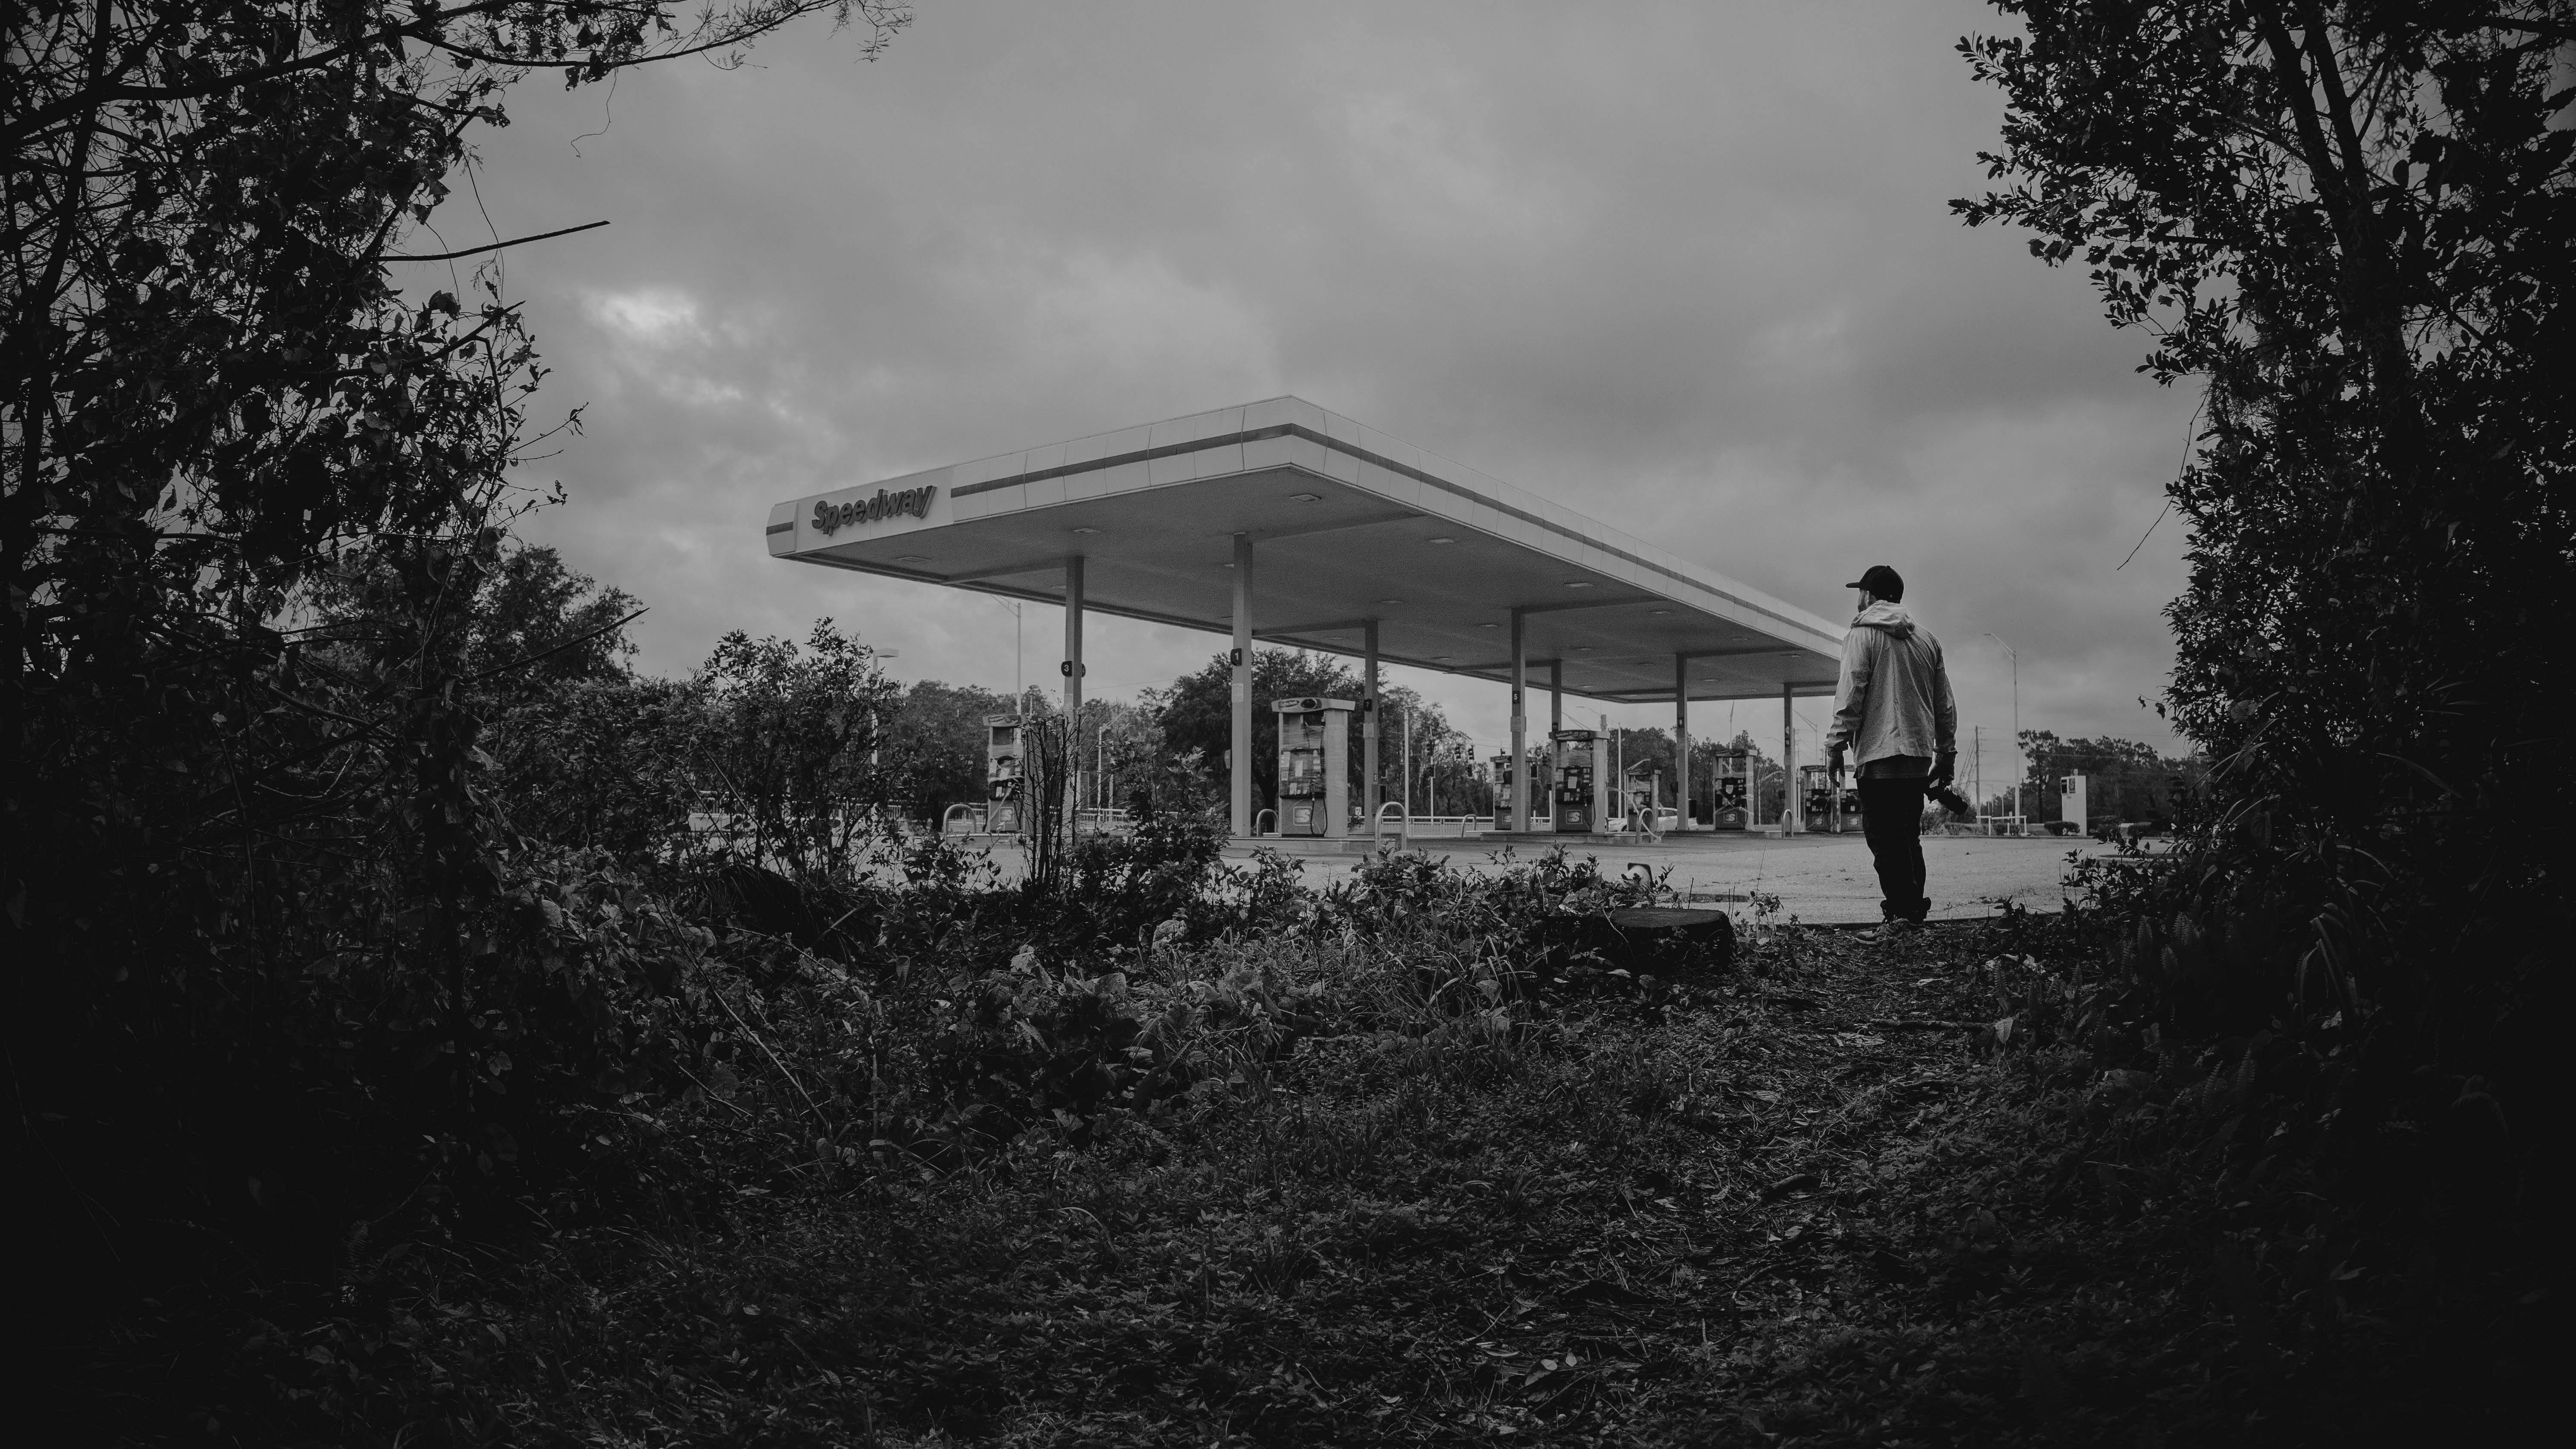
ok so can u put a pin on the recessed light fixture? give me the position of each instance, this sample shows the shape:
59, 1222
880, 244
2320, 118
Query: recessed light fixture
1444, 658
1390, 601
1582, 648
1578, 583
1086, 530
1305, 497
912, 558
1659, 611
1444, 538
1489, 626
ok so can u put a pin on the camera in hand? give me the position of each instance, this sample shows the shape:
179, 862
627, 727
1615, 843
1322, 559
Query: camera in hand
1951, 800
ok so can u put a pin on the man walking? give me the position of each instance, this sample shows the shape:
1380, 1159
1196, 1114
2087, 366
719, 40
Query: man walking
1893, 712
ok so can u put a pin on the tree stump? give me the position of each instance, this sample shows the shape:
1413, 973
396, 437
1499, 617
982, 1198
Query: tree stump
1662, 940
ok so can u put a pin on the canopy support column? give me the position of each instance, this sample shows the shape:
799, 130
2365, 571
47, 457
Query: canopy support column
1788, 764
1520, 728
1681, 743
1240, 756
1072, 688
1368, 729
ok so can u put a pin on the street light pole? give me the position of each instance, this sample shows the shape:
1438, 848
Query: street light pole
1019, 685
2020, 759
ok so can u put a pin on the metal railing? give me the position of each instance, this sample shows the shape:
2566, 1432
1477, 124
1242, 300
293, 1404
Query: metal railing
968, 818
1403, 824
1448, 827
1103, 820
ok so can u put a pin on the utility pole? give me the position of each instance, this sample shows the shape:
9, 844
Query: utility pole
2020, 761
1977, 764
1408, 765
1019, 683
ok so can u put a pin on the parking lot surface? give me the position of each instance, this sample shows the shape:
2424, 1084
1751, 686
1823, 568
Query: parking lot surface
1817, 878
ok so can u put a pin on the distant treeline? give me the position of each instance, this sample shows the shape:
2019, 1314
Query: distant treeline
2123, 779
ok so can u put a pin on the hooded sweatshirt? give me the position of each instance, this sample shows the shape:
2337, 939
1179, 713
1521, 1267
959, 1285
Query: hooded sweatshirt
1894, 697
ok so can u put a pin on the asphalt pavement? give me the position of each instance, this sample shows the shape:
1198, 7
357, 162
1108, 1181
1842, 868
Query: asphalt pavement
1816, 878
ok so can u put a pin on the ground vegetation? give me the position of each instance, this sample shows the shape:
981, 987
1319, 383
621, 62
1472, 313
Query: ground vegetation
1382, 1162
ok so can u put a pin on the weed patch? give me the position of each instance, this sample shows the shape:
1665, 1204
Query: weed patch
1304, 1189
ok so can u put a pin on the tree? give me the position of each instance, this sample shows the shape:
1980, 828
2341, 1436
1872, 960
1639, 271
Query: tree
540, 626
2353, 222
210, 382
2124, 779
791, 751
1440, 755
582, 753
1197, 712
1764, 790
937, 737
1123, 749
241, 837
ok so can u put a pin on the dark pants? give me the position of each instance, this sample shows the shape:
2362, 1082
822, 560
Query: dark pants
1891, 817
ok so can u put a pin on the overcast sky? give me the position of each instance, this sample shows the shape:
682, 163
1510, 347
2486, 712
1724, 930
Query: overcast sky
1685, 268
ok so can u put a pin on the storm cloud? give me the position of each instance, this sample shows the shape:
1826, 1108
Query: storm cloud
1689, 269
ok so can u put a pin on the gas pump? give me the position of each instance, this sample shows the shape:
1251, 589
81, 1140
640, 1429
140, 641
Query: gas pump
1580, 774
1642, 797
1851, 801
2072, 804
1314, 766
1502, 779
1003, 779
1815, 798
1734, 806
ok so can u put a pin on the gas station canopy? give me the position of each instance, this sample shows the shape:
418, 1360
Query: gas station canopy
1347, 527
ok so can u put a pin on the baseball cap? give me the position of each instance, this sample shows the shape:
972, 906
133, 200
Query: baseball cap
1882, 581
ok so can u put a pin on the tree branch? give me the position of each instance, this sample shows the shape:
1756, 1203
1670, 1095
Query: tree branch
495, 246
96, 95
525, 661
2545, 29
